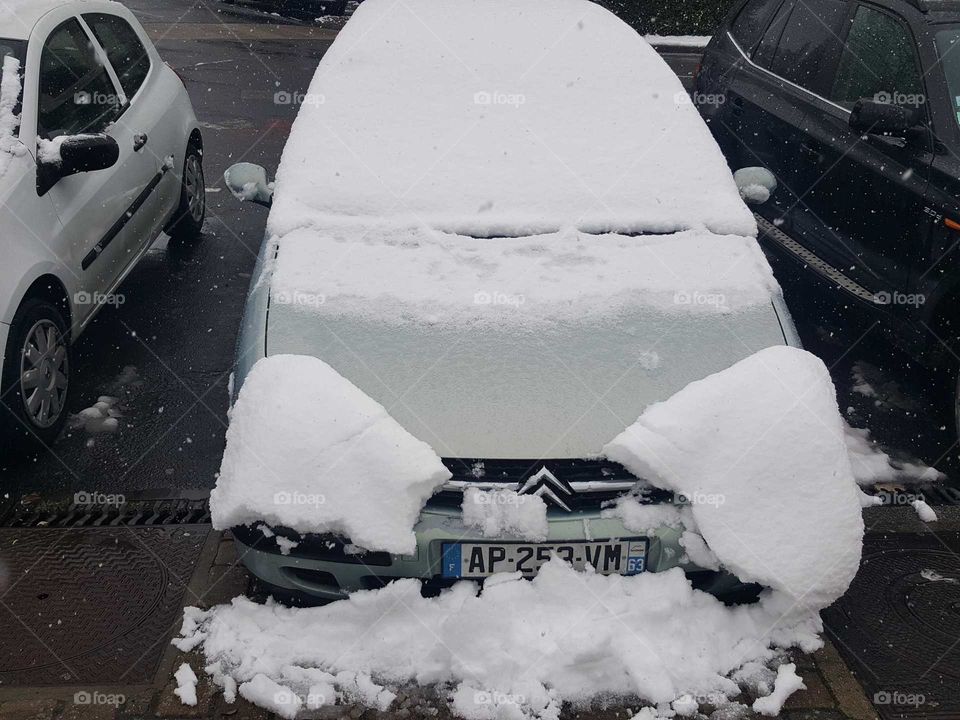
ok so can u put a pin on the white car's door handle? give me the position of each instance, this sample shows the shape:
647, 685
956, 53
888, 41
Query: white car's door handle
139, 140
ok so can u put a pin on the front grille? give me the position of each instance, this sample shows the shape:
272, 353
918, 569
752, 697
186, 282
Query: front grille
594, 482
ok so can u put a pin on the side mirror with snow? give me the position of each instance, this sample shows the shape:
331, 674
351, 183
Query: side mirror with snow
248, 183
756, 184
73, 154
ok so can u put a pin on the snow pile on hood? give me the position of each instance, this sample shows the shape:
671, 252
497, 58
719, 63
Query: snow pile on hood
9, 95
517, 650
759, 451
504, 118
309, 451
409, 273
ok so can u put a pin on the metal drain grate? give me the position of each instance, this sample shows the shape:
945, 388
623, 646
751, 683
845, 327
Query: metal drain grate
898, 626
146, 508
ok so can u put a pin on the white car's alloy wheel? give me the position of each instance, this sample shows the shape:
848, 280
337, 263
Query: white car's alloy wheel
44, 373
193, 186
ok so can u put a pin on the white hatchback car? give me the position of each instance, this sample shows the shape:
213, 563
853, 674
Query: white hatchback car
100, 152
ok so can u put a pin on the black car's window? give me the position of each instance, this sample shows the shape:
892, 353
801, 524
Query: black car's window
768, 44
751, 22
124, 49
949, 56
810, 38
76, 94
878, 62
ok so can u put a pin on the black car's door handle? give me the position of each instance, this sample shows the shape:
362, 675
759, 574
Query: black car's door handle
738, 106
139, 141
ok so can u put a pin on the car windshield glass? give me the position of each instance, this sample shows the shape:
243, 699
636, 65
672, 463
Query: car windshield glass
949, 54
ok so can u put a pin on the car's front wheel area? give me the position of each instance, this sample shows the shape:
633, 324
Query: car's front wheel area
36, 375
192, 207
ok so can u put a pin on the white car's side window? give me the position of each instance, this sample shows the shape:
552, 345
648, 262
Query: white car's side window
76, 92
126, 53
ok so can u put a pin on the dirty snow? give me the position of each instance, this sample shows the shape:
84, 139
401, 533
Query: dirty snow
412, 274
186, 688
101, 417
9, 94
494, 126
504, 513
523, 646
787, 683
309, 451
759, 451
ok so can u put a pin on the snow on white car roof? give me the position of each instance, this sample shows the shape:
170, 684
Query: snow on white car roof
492, 117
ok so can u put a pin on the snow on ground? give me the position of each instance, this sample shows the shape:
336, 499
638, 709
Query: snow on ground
405, 274
9, 94
517, 650
519, 93
759, 451
101, 417
309, 451
504, 513
186, 688
924, 511
787, 683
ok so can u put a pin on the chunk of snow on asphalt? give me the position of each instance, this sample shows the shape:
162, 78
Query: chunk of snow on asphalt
528, 642
759, 450
933, 576
9, 98
787, 683
924, 511
262, 691
486, 143
504, 512
405, 274
186, 688
309, 451
101, 417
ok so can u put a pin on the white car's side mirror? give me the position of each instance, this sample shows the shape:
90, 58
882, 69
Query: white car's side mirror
248, 183
756, 184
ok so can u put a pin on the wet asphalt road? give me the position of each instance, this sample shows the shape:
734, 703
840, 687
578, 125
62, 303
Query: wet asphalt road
166, 352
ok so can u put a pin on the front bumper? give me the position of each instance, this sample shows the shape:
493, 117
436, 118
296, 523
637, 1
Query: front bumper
320, 568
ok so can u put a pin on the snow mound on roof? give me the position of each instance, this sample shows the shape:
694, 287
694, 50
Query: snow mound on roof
496, 117
759, 450
401, 274
519, 649
309, 451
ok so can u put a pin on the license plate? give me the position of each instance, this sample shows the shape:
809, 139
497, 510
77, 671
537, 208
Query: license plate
482, 559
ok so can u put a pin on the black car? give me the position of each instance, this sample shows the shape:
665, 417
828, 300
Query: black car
855, 109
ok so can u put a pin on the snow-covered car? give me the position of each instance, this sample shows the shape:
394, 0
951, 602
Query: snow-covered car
498, 233
100, 152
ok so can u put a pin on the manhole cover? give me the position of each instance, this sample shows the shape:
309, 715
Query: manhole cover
899, 628
91, 605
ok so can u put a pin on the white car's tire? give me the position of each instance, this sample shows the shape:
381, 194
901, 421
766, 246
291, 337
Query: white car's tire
192, 208
36, 376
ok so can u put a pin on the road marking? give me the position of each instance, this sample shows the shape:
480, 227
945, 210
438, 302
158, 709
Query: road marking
233, 31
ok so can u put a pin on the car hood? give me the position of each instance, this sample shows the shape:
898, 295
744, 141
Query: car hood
556, 391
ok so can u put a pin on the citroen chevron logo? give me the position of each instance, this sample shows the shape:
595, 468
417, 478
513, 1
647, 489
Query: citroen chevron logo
548, 486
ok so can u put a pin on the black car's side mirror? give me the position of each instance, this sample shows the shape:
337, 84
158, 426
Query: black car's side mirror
881, 118
74, 154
